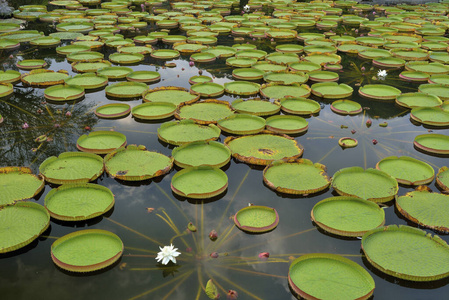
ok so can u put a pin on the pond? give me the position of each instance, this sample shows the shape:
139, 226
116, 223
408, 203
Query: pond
148, 215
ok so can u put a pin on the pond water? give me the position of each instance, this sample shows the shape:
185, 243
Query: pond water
147, 212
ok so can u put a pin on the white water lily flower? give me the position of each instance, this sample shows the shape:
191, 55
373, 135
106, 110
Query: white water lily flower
382, 74
246, 8
168, 253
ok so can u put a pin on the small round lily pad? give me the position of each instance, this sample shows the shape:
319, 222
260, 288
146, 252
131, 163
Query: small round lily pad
346, 107
199, 182
347, 142
197, 154
153, 110
86, 250
287, 124
113, 110
300, 106
256, 219
101, 142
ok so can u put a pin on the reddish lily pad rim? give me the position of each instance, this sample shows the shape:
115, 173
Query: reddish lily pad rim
413, 160
228, 88
440, 183
88, 268
414, 115
96, 134
9, 89
125, 112
335, 104
342, 142
285, 130
36, 64
126, 84
347, 90
254, 229
135, 109
417, 143
286, 109
419, 76
28, 171
392, 96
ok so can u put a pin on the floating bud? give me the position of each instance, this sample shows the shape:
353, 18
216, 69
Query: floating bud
214, 255
213, 235
264, 255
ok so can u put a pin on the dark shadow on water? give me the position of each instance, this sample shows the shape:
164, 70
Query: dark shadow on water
200, 201
158, 121
335, 236
28, 247
430, 153
297, 196
89, 274
80, 224
416, 225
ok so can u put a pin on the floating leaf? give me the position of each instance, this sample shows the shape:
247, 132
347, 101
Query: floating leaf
211, 290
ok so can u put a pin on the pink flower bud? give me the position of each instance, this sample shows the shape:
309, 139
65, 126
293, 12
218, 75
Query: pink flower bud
56, 125
213, 235
353, 131
264, 255
369, 123
87, 128
374, 141
68, 114
25, 125
189, 249
214, 255
232, 295
363, 69
191, 63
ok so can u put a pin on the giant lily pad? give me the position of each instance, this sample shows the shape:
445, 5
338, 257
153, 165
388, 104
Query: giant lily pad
29, 64
426, 67
21, 224
126, 89
64, 92
186, 131
433, 143
331, 90
413, 100
277, 91
126, 58
115, 72
143, 76
18, 183
113, 110
439, 90
170, 94
83, 67
207, 89
165, 54
348, 280
300, 106
72, 167
66, 50
406, 252
75, 202
370, 184
202, 153
247, 73
287, 124
242, 88
443, 178
346, 107
6, 89
434, 116
407, 170
205, 112
256, 107
85, 56
242, 124
347, 216
286, 77
296, 177
86, 250
323, 76
263, 148
379, 92
9, 76
135, 163
41, 77
256, 219
101, 142
427, 209
199, 182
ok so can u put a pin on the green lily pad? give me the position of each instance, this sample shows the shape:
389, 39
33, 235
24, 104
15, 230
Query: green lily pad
305, 66
282, 58
9, 76
87, 80
248, 73
242, 124
18, 183
75, 202
287, 124
369, 184
241, 62
379, 92
346, 107
197, 154
64, 92
331, 90
440, 79
256, 219
85, 56
9, 44
165, 54
433, 143
113, 110
300, 106
205, 112
203, 57
347, 216
135, 163
388, 62
186, 131
126, 58
72, 167
83, 67
407, 170
154, 110
263, 148
126, 89
66, 50
29, 64
21, 224
373, 53
323, 76
82, 27
434, 116
199, 79
277, 91
46, 41
290, 48
115, 72
135, 49
426, 209
255, 107
269, 67
41, 77
439, 90
207, 89
414, 76
297, 177
86, 250
348, 281
286, 77
170, 94
414, 100
221, 51
242, 88
406, 252
101, 142
6, 89
199, 182
426, 67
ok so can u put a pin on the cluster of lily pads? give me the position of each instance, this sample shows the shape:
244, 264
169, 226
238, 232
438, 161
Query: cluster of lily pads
408, 41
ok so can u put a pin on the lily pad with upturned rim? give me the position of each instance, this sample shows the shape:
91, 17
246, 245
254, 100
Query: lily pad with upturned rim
439, 90
242, 124
205, 112
407, 170
242, 62
434, 116
199, 79
66, 50
406, 252
414, 100
186, 131
414, 76
277, 91
86, 250
369, 184
75, 202
126, 58
101, 142
113, 110
21, 224
43, 78
347, 142
18, 183
286, 77
346, 107
72, 167
242, 88
442, 178
115, 72
85, 56
348, 280
256, 219
256, 107
83, 67
323, 76
165, 54
30, 64
305, 66
199, 182
426, 209
126, 89
248, 73
300, 106
6, 89
197, 154
135, 163
347, 216
153, 110
331, 90
433, 143
296, 176
64, 92
207, 89
9, 76
143, 76
379, 92
263, 148
170, 94
287, 124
